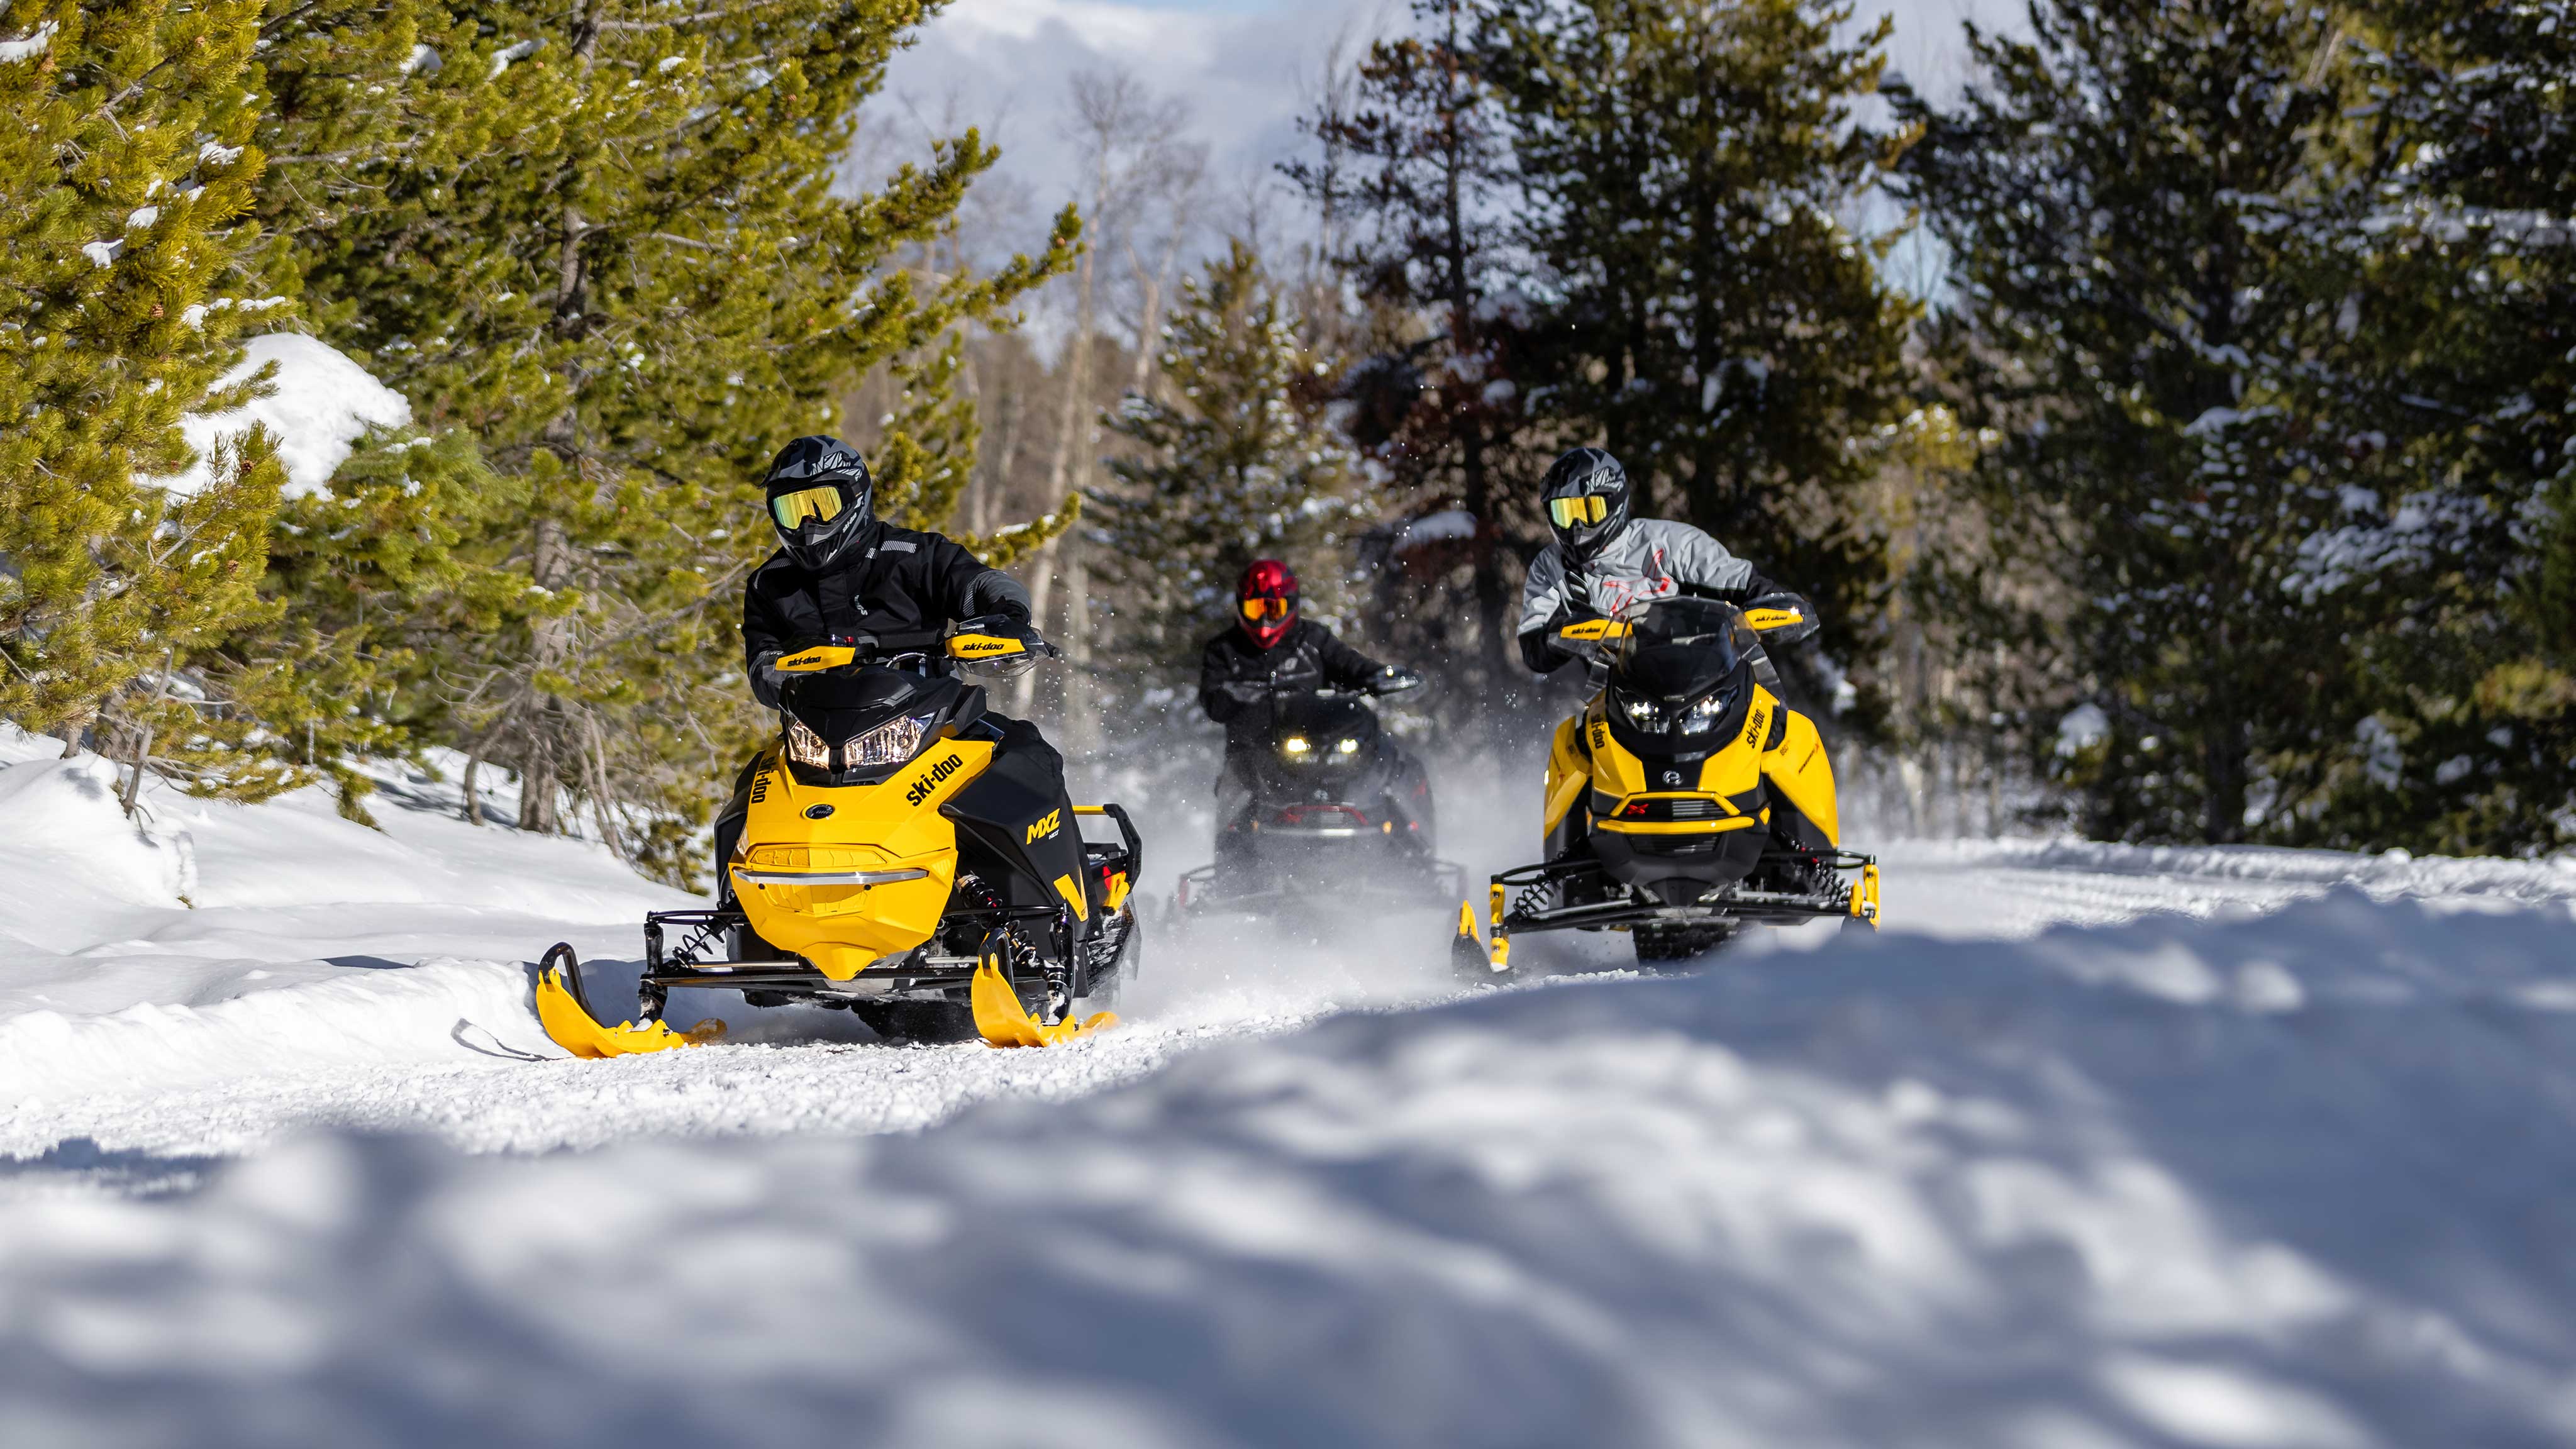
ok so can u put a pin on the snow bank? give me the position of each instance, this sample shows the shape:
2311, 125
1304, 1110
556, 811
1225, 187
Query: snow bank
322, 405
2294, 1181
2382, 876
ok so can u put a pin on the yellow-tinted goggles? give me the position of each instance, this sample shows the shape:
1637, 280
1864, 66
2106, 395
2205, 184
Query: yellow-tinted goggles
1259, 609
1576, 512
821, 504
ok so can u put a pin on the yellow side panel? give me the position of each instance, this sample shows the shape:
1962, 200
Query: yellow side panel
1568, 772
1800, 771
1615, 772
844, 929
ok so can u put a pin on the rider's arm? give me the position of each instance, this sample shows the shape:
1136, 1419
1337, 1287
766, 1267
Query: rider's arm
967, 589
1344, 666
1545, 607
1703, 564
1214, 677
764, 640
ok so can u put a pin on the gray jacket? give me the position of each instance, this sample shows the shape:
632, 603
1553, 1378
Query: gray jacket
1651, 558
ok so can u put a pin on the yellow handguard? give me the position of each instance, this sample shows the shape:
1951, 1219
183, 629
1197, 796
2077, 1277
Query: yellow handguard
1592, 631
1003, 1022
567, 1019
817, 659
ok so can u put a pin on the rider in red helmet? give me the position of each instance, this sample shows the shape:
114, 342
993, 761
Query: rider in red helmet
1271, 649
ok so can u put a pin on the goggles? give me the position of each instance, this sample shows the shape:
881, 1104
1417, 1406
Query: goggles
820, 504
1272, 610
1577, 512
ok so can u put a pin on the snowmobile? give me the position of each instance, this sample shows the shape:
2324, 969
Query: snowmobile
1337, 810
1685, 801
892, 863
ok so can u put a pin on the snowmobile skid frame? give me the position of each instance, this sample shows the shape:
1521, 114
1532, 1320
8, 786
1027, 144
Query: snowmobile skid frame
1516, 895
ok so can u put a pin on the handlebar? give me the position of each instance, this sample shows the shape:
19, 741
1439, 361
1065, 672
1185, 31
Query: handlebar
985, 644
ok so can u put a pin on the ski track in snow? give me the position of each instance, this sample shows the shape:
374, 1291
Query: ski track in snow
2094, 1147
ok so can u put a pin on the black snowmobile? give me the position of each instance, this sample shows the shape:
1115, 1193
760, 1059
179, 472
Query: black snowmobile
1336, 810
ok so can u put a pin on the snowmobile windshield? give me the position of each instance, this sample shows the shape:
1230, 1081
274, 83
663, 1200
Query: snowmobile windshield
1681, 674
858, 728
1322, 732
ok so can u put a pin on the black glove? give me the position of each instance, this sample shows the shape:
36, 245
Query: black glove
1394, 679
1244, 691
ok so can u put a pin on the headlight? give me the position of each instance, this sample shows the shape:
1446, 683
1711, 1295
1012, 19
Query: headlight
1645, 714
1702, 717
890, 743
1347, 747
806, 747
1296, 745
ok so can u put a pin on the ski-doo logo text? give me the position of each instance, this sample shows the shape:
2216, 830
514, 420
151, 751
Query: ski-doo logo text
930, 779
1045, 826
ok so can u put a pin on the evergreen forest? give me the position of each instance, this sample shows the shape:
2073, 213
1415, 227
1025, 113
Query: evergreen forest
2174, 421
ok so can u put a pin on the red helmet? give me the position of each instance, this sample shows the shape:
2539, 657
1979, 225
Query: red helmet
1265, 602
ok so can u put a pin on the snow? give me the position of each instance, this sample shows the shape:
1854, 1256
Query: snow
323, 403
1447, 525
2097, 1145
28, 46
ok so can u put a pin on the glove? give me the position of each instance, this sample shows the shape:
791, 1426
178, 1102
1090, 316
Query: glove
1244, 691
1002, 622
1394, 679
766, 680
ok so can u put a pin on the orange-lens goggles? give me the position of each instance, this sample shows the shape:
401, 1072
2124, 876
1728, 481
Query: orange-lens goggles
822, 505
1258, 610
1575, 512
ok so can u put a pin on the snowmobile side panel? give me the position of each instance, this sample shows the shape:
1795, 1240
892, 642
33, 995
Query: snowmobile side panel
1804, 774
1015, 811
837, 834
1569, 772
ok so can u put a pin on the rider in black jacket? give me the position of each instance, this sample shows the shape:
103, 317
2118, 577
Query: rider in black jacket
1269, 650
843, 576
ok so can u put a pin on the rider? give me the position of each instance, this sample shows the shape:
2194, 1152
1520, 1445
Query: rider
1271, 649
1603, 561
844, 576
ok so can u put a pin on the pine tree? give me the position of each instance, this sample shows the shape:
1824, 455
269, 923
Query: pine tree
1415, 175
1687, 167
1233, 459
2129, 196
2451, 565
606, 242
126, 176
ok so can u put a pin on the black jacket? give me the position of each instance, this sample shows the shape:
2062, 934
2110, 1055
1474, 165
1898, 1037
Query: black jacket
1308, 658
899, 582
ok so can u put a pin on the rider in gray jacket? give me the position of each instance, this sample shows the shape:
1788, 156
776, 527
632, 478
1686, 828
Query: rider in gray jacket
1603, 560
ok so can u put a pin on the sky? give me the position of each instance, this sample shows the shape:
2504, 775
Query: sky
1245, 70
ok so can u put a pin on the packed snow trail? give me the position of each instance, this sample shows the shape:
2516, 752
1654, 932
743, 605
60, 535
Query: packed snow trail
2290, 1180
2093, 1147
329, 976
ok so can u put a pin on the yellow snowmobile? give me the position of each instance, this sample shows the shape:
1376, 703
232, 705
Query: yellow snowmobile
897, 859
1685, 801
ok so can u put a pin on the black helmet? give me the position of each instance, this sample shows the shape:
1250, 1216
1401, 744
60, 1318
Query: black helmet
1587, 500
821, 500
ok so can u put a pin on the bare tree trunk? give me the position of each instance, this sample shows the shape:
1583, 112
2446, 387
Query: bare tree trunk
134, 773
473, 785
